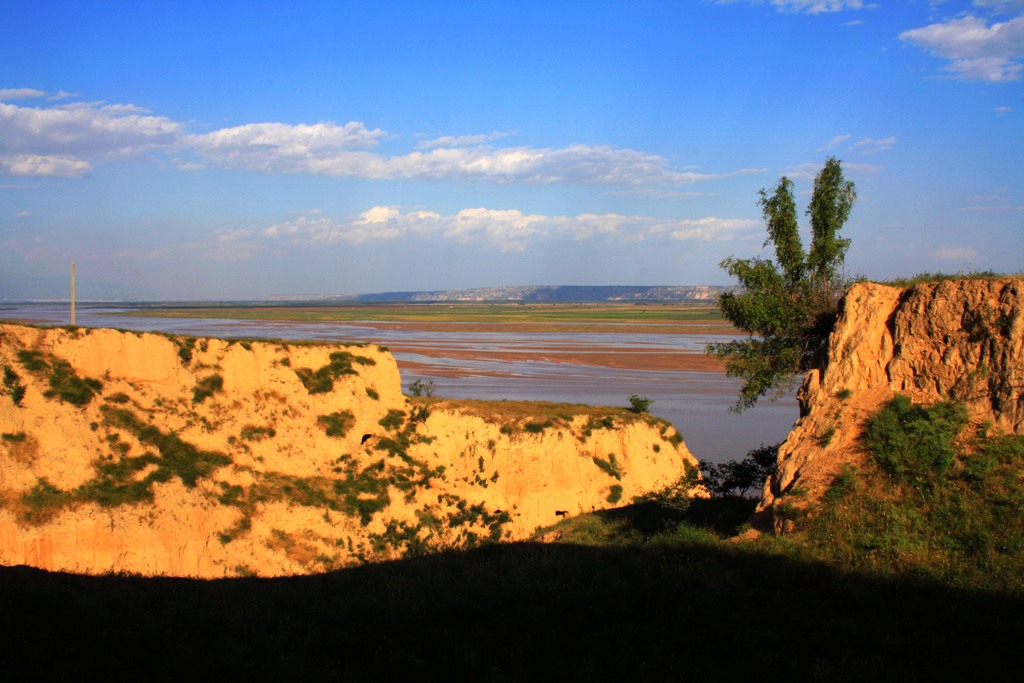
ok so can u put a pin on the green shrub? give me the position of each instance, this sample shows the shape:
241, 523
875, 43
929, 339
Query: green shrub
13, 386
337, 424
256, 433
537, 427
421, 388
185, 346
207, 387
911, 442
321, 381
393, 420
372, 393
33, 361
13, 437
609, 466
614, 493
65, 384
639, 404
42, 502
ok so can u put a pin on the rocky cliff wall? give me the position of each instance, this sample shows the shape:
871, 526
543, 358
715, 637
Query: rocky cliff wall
960, 339
205, 457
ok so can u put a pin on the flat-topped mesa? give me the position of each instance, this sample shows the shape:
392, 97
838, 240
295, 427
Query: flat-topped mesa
957, 339
155, 454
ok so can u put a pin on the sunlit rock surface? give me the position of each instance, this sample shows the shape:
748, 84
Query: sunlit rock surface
178, 456
959, 339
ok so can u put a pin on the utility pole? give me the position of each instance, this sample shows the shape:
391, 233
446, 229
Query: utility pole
72, 294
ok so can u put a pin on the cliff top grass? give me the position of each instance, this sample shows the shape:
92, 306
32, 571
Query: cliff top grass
503, 412
929, 278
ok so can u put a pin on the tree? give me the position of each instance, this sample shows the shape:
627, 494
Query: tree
788, 306
738, 477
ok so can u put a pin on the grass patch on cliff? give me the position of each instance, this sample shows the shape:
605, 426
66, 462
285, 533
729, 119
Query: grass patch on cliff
123, 480
932, 278
12, 385
337, 424
207, 387
64, 383
936, 498
321, 380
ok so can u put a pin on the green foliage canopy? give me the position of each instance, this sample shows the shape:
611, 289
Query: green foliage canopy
788, 306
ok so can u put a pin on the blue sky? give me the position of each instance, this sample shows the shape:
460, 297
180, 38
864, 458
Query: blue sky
270, 149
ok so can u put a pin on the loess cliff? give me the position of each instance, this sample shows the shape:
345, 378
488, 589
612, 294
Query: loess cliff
162, 455
961, 340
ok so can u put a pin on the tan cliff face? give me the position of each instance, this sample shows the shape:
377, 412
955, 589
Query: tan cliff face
961, 340
205, 457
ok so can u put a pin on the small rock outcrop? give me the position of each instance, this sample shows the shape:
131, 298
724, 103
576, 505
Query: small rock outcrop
957, 339
163, 455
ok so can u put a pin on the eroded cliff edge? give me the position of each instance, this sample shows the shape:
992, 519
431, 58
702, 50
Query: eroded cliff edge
957, 339
179, 456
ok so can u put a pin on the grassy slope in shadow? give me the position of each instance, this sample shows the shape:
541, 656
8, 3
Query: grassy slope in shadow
650, 605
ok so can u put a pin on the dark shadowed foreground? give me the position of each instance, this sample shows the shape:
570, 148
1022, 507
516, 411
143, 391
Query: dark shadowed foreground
655, 610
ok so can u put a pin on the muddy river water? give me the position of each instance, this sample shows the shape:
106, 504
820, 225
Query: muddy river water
593, 367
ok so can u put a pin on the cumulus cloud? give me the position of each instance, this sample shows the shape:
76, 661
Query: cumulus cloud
975, 50
283, 147
54, 166
503, 229
70, 140
64, 141
22, 214
325, 149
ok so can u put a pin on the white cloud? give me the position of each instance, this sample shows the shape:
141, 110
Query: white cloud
809, 170
957, 254
869, 145
22, 214
835, 141
282, 147
462, 140
998, 6
976, 51
807, 6
503, 229
711, 228
19, 94
64, 141
69, 140
43, 165
1003, 110
331, 151
817, 6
